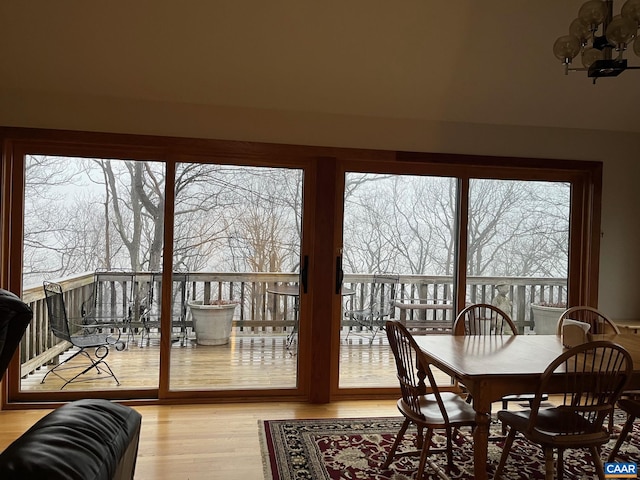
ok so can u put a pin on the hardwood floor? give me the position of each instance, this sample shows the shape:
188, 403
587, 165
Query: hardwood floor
220, 441
198, 442
209, 442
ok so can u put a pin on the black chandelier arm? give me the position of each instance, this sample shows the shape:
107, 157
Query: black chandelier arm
583, 69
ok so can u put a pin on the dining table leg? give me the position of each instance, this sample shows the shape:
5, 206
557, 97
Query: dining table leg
481, 438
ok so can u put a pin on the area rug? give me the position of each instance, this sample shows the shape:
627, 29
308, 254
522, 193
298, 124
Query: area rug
356, 448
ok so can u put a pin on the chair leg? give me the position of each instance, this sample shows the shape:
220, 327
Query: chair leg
394, 447
424, 454
60, 366
505, 452
560, 463
548, 463
97, 361
623, 436
450, 432
597, 461
420, 437
610, 423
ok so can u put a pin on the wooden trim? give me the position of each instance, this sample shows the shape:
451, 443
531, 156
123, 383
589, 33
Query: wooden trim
462, 231
69, 141
333, 360
584, 260
307, 248
322, 229
323, 272
167, 282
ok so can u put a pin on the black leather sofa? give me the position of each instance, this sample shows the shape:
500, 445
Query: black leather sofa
89, 439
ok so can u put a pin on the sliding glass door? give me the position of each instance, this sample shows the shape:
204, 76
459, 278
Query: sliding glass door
398, 260
207, 273
518, 249
409, 240
236, 257
93, 228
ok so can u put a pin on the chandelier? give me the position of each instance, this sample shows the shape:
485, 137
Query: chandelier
601, 38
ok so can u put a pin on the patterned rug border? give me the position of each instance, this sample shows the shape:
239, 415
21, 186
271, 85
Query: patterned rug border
309, 436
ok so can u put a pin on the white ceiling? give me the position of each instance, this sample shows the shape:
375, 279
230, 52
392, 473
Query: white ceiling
476, 61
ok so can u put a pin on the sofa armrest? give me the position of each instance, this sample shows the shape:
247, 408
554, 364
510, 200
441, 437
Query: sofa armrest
84, 440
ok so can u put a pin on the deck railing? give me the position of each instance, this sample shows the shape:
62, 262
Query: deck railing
260, 311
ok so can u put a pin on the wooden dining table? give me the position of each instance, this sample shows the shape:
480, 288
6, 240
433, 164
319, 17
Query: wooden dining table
491, 367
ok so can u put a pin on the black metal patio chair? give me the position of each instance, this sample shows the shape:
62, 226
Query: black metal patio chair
91, 344
147, 304
109, 305
370, 319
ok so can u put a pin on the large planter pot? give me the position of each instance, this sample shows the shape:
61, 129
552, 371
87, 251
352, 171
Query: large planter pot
545, 319
212, 323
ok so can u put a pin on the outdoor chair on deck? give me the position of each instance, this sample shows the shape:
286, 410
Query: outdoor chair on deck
599, 322
143, 308
181, 296
147, 296
108, 306
592, 377
436, 410
91, 344
369, 320
485, 319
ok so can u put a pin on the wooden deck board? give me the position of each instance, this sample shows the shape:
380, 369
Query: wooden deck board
248, 361
241, 364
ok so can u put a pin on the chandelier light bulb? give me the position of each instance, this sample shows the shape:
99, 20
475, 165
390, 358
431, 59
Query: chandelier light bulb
593, 13
580, 30
566, 48
590, 55
631, 9
621, 31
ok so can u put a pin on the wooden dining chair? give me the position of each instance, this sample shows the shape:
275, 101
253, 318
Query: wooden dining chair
592, 376
599, 322
485, 319
632, 408
428, 411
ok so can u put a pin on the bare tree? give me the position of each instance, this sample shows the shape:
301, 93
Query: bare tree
50, 227
110, 214
407, 224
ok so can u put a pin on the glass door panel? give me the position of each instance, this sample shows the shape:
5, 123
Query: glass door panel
518, 249
236, 257
93, 231
399, 261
